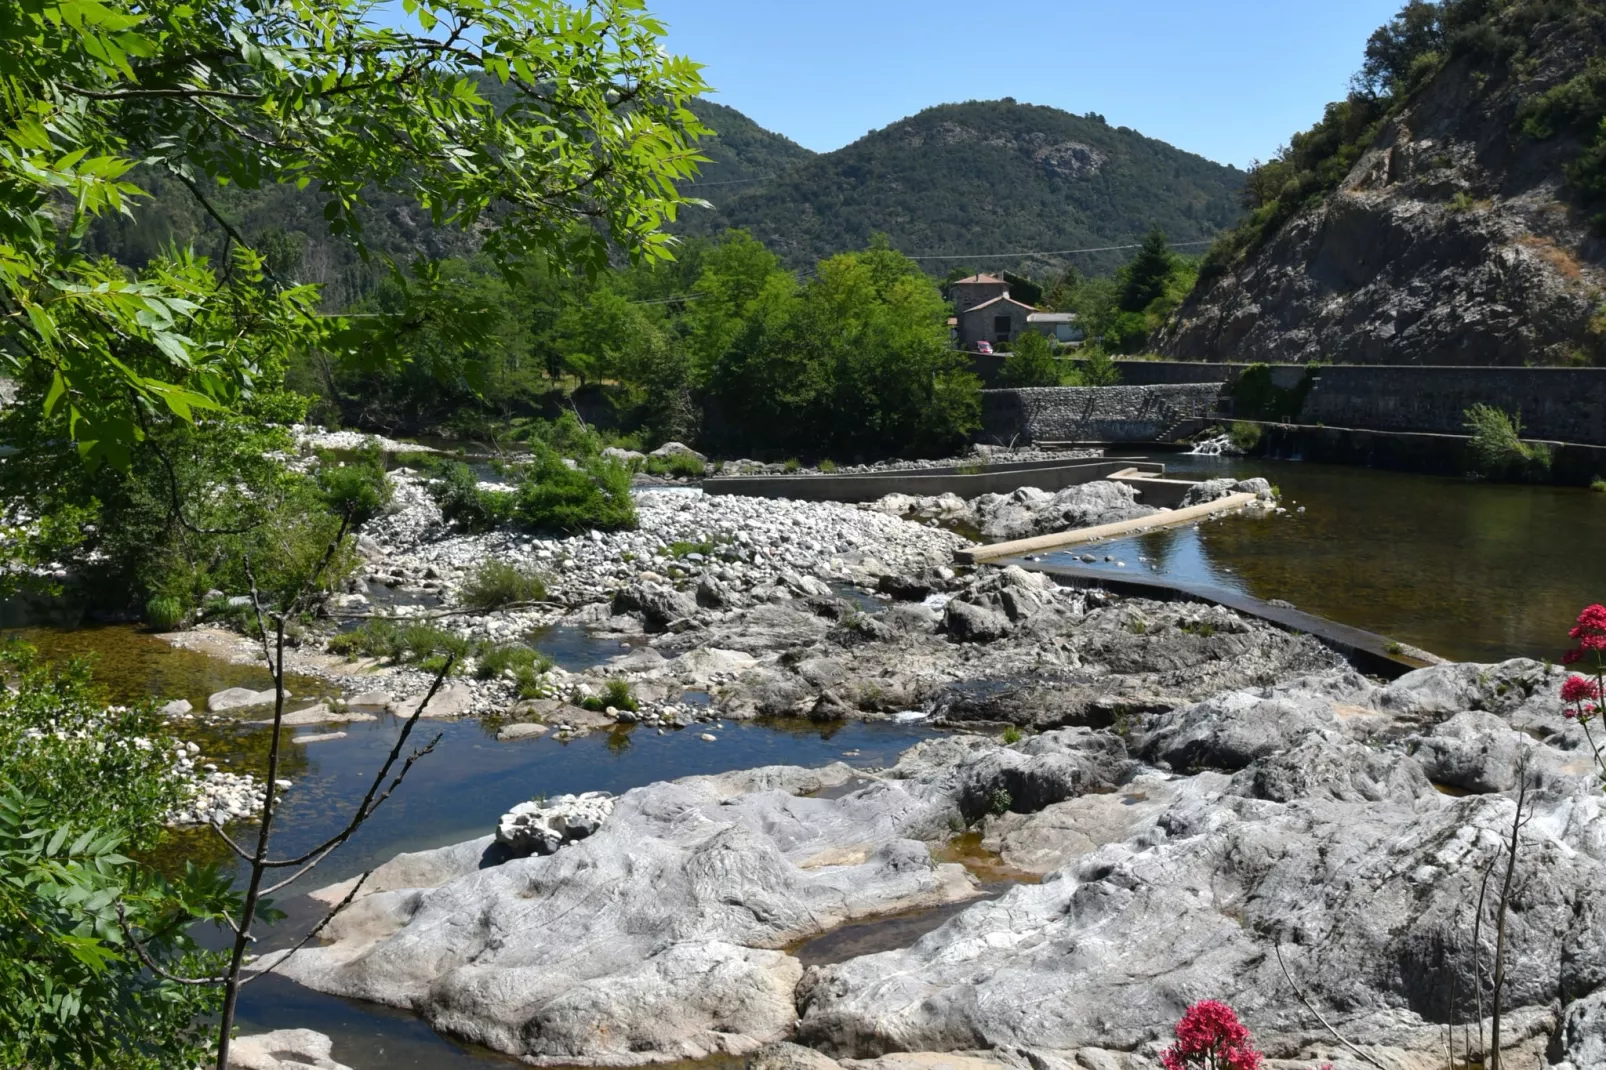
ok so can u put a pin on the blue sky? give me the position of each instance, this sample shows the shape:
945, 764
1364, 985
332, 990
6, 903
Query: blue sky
1227, 79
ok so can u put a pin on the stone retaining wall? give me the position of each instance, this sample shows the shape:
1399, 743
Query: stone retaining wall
1564, 404
1091, 413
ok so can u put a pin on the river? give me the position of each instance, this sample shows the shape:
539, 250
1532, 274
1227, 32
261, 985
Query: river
1468, 571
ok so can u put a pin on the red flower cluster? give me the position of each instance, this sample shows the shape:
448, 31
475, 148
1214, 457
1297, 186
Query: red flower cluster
1211, 1037
1590, 631
1579, 688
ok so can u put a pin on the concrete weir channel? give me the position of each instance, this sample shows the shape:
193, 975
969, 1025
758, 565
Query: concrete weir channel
963, 480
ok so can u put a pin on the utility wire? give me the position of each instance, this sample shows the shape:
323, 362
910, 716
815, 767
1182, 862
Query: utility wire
1048, 252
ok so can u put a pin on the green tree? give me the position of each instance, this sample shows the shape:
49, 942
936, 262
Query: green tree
1145, 278
515, 118
79, 781
1031, 362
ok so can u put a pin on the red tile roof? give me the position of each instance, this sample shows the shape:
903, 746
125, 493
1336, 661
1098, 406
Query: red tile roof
994, 300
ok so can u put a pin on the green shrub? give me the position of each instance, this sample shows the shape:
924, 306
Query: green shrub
1013, 735
493, 659
615, 693
464, 504
552, 497
355, 488
1000, 801
677, 464
164, 613
495, 584
792, 464
377, 638
1031, 363
1098, 369
1598, 485
680, 548
1497, 450
1245, 436
828, 466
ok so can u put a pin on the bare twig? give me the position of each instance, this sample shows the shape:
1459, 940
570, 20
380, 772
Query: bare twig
1278, 947
1517, 822
313, 932
370, 803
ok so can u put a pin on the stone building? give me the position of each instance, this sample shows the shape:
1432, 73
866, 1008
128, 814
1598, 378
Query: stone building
984, 311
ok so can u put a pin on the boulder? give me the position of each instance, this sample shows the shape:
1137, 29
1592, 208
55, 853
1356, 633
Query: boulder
284, 1049
676, 449
510, 732
176, 708
657, 605
239, 698
452, 700
658, 937
974, 624
1582, 1037
541, 827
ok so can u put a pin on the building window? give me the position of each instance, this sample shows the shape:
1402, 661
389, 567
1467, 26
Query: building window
1001, 328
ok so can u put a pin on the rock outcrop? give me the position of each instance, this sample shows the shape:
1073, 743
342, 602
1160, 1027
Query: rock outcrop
1453, 239
1199, 852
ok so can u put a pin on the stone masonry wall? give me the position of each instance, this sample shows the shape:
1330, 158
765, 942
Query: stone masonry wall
1562, 404
1091, 414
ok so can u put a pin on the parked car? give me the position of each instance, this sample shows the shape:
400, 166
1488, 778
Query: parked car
984, 347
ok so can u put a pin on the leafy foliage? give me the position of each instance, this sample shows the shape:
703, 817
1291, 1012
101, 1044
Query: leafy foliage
514, 118
1497, 450
79, 781
853, 362
1031, 363
552, 497
495, 584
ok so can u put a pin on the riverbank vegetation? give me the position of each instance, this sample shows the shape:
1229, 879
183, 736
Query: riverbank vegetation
150, 454
1497, 449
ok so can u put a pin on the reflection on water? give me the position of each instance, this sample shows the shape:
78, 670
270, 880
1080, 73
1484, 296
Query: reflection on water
132, 664
1470, 571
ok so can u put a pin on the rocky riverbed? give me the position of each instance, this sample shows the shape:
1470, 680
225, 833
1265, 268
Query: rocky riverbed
1216, 809
1328, 825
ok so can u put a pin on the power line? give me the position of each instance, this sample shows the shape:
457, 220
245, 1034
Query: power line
1049, 252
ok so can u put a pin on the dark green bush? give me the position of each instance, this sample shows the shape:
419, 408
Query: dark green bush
552, 497
164, 613
1031, 363
616, 693
355, 487
464, 504
679, 464
1497, 450
495, 584
493, 659
1245, 436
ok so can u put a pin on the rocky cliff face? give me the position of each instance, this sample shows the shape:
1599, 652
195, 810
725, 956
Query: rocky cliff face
1452, 240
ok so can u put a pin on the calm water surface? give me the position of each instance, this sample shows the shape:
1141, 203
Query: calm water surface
1470, 571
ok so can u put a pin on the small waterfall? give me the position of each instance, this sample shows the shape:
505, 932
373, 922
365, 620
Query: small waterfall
1220, 446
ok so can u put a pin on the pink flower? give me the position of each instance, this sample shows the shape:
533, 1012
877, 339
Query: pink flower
1593, 616
1571, 656
1210, 1035
1578, 688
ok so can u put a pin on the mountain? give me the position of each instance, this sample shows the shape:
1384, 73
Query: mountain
984, 177
741, 150
979, 177
1448, 212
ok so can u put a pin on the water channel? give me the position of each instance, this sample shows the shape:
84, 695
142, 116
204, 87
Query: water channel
1467, 571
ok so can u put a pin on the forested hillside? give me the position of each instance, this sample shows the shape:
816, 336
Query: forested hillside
1449, 211
984, 177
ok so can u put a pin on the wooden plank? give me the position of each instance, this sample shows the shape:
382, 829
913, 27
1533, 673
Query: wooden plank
971, 555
